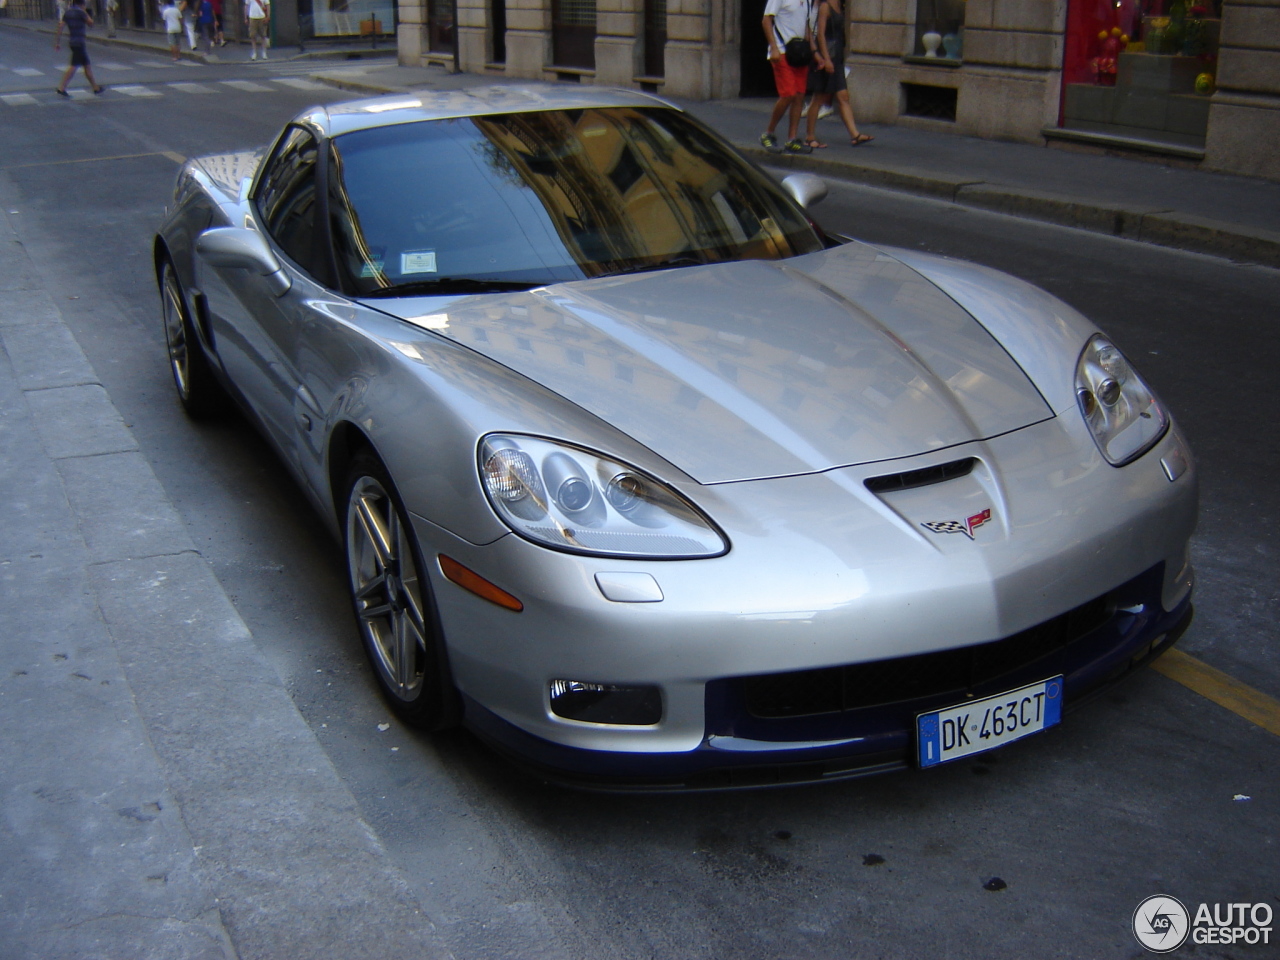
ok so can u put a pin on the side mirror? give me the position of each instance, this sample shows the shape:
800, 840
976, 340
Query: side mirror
806, 189
238, 248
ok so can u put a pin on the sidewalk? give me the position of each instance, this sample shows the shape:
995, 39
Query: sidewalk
1229, 216
163, 798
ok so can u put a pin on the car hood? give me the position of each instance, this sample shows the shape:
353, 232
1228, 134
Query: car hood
758, 369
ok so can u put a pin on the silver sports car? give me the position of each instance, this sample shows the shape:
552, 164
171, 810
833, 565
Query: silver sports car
645, 478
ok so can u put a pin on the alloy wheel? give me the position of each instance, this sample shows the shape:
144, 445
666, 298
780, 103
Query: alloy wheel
386, 588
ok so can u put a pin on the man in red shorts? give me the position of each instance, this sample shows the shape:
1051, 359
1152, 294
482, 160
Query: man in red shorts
786, 20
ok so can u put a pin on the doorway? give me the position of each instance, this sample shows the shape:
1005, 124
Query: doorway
757, 75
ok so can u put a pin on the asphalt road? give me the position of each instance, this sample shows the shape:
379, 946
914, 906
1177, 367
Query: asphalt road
1130, 797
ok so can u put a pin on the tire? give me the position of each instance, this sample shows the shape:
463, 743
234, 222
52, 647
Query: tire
392, 600
198, 389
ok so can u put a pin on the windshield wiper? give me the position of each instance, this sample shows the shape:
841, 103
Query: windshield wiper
444, 285
670, 262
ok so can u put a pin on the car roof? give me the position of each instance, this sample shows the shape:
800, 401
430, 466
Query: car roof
412, 106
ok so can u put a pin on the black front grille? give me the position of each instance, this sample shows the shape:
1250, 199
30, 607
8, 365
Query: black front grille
835, 689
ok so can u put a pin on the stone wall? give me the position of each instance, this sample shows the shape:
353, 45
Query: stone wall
1244, 115
1006, 84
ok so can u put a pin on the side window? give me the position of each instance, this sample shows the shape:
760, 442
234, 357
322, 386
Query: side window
287, 197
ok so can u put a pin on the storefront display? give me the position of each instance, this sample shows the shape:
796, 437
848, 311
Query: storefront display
1140, 69
353, 18
940, 29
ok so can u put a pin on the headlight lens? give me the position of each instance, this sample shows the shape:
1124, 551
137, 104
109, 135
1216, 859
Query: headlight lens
572, 499
1122, 412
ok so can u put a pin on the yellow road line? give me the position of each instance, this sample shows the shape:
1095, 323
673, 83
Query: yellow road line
1222, 688
167, 154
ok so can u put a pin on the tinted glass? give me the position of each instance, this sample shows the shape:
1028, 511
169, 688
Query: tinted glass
287, 196
534, 198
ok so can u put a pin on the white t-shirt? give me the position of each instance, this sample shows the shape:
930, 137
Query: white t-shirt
172, 18
789, 18
256, 10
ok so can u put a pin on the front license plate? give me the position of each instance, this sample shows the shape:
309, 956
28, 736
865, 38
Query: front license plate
983, 724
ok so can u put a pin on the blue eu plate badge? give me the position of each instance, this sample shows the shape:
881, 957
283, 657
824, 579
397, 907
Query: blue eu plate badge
979, 725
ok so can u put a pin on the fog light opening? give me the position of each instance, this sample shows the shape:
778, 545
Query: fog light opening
637, 706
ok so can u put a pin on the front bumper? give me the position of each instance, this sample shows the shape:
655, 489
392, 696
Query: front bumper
1122, 630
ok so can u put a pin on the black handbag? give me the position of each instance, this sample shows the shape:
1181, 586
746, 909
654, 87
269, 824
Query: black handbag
797, 51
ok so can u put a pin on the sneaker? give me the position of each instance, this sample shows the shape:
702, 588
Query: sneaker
62, 93
824, 112
255, 55
97, 90
797, 146
768, 141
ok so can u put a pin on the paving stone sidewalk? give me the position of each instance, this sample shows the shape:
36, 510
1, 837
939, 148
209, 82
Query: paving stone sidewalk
162, 796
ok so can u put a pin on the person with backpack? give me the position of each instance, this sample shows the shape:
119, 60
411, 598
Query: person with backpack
77, 21
788, 28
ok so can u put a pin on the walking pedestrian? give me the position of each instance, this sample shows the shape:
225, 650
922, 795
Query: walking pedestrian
257, 13
827, 81
785, 23
172, 26
204, 20
113, 8
218, 35
77, 21
187, 7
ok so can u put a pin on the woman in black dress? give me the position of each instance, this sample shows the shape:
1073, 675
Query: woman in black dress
826, 76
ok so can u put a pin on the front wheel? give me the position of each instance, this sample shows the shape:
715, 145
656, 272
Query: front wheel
392, 600
198, 388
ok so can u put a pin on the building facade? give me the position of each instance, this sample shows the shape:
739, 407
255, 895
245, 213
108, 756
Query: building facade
1193, 80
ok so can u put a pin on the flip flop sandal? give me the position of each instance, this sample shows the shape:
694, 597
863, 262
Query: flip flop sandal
816, 145
860, 139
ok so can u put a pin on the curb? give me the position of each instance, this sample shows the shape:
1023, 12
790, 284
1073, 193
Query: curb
1162, 227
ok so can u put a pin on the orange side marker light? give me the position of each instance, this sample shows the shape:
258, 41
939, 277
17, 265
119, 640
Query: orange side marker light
470, 580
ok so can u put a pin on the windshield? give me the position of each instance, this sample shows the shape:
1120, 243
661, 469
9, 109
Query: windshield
525, 199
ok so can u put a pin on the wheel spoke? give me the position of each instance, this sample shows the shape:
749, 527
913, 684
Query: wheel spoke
376, 531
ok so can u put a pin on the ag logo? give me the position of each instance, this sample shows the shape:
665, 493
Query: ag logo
966, 527
1161, 924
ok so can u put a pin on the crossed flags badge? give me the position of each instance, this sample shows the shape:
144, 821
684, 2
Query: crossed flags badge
967, 526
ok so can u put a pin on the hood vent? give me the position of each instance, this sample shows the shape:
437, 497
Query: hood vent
921, 478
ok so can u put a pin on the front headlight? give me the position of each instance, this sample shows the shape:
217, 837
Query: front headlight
1122, 412
572, 499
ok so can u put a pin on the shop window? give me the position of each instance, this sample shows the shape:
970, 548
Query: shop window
939, 29
573, 33
498, 30
347, 18
655, 37
440, 26
1141, 69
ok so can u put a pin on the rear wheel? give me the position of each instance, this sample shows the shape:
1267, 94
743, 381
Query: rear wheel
198, 389
392, 599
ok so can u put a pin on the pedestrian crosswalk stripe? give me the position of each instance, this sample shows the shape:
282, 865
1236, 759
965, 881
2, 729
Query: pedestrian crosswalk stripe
193, 88
248, 86
79, 94
154, 63
135, 90
18, 99
113, 66
28, 72
298, 83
